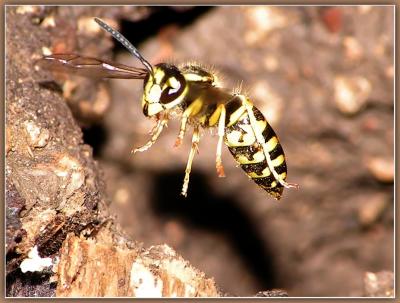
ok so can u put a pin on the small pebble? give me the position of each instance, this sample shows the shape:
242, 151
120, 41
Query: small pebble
87, 25
372, 209
48, 22
262, 20
351, 93
380, 284
46, 51
382, 169
36, 136
353, 49
332, 19
27, 9
72, 171
121, 196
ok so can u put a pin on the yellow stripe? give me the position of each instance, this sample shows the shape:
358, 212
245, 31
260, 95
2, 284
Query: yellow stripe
283, 176
265, 173
248, 135
215, 116
148, 86
257, 158
273, 184
233, 138
202, 119
197, 78
195, 107
234, 117
278, 161
261, 125
158, 75
271, 144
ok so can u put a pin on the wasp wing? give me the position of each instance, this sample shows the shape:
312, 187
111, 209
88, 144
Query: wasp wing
90, 67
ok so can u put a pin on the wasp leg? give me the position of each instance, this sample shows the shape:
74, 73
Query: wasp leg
195, 143
221, 133
192, 110
260, 139
155, 133
182, 130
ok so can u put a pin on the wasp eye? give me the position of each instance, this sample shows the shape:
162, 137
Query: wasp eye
175, 86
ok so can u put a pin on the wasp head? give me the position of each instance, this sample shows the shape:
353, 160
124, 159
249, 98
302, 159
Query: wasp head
164, 89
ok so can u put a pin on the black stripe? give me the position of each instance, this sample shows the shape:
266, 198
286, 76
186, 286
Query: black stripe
234, 104
164, 79
276, 152
254, 167
236, 127
210, 109
247, 151
275, 191
145, 109
257, 114
265, 182
281, 168
268, 132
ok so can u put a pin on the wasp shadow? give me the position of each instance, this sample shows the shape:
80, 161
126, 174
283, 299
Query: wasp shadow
205, 209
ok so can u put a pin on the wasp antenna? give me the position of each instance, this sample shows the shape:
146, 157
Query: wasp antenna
120, 38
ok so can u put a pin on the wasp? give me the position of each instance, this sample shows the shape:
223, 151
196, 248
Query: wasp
195, 95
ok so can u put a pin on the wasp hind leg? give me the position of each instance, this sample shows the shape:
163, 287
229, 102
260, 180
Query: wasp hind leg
221, 133
195, 143
155, 133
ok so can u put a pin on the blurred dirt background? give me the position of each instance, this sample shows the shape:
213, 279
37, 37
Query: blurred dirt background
323, 77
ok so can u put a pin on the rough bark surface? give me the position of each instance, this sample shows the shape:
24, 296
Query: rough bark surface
54, 187
154, 272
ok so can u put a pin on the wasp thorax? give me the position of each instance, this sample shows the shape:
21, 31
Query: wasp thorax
164, 89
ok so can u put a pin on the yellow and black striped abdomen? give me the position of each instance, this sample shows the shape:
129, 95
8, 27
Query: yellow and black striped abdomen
255, 146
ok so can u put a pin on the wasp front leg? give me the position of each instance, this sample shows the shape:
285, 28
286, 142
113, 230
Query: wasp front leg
191, 111
195, 143
182, 130
155, 133
221, 133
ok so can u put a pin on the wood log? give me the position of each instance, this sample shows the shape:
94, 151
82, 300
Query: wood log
61, 239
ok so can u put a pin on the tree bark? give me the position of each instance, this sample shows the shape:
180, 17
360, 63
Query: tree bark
55, 203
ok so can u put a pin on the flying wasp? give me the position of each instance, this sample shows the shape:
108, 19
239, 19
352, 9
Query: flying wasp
199, 99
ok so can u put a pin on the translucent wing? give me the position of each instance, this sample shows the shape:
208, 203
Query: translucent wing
90, 67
